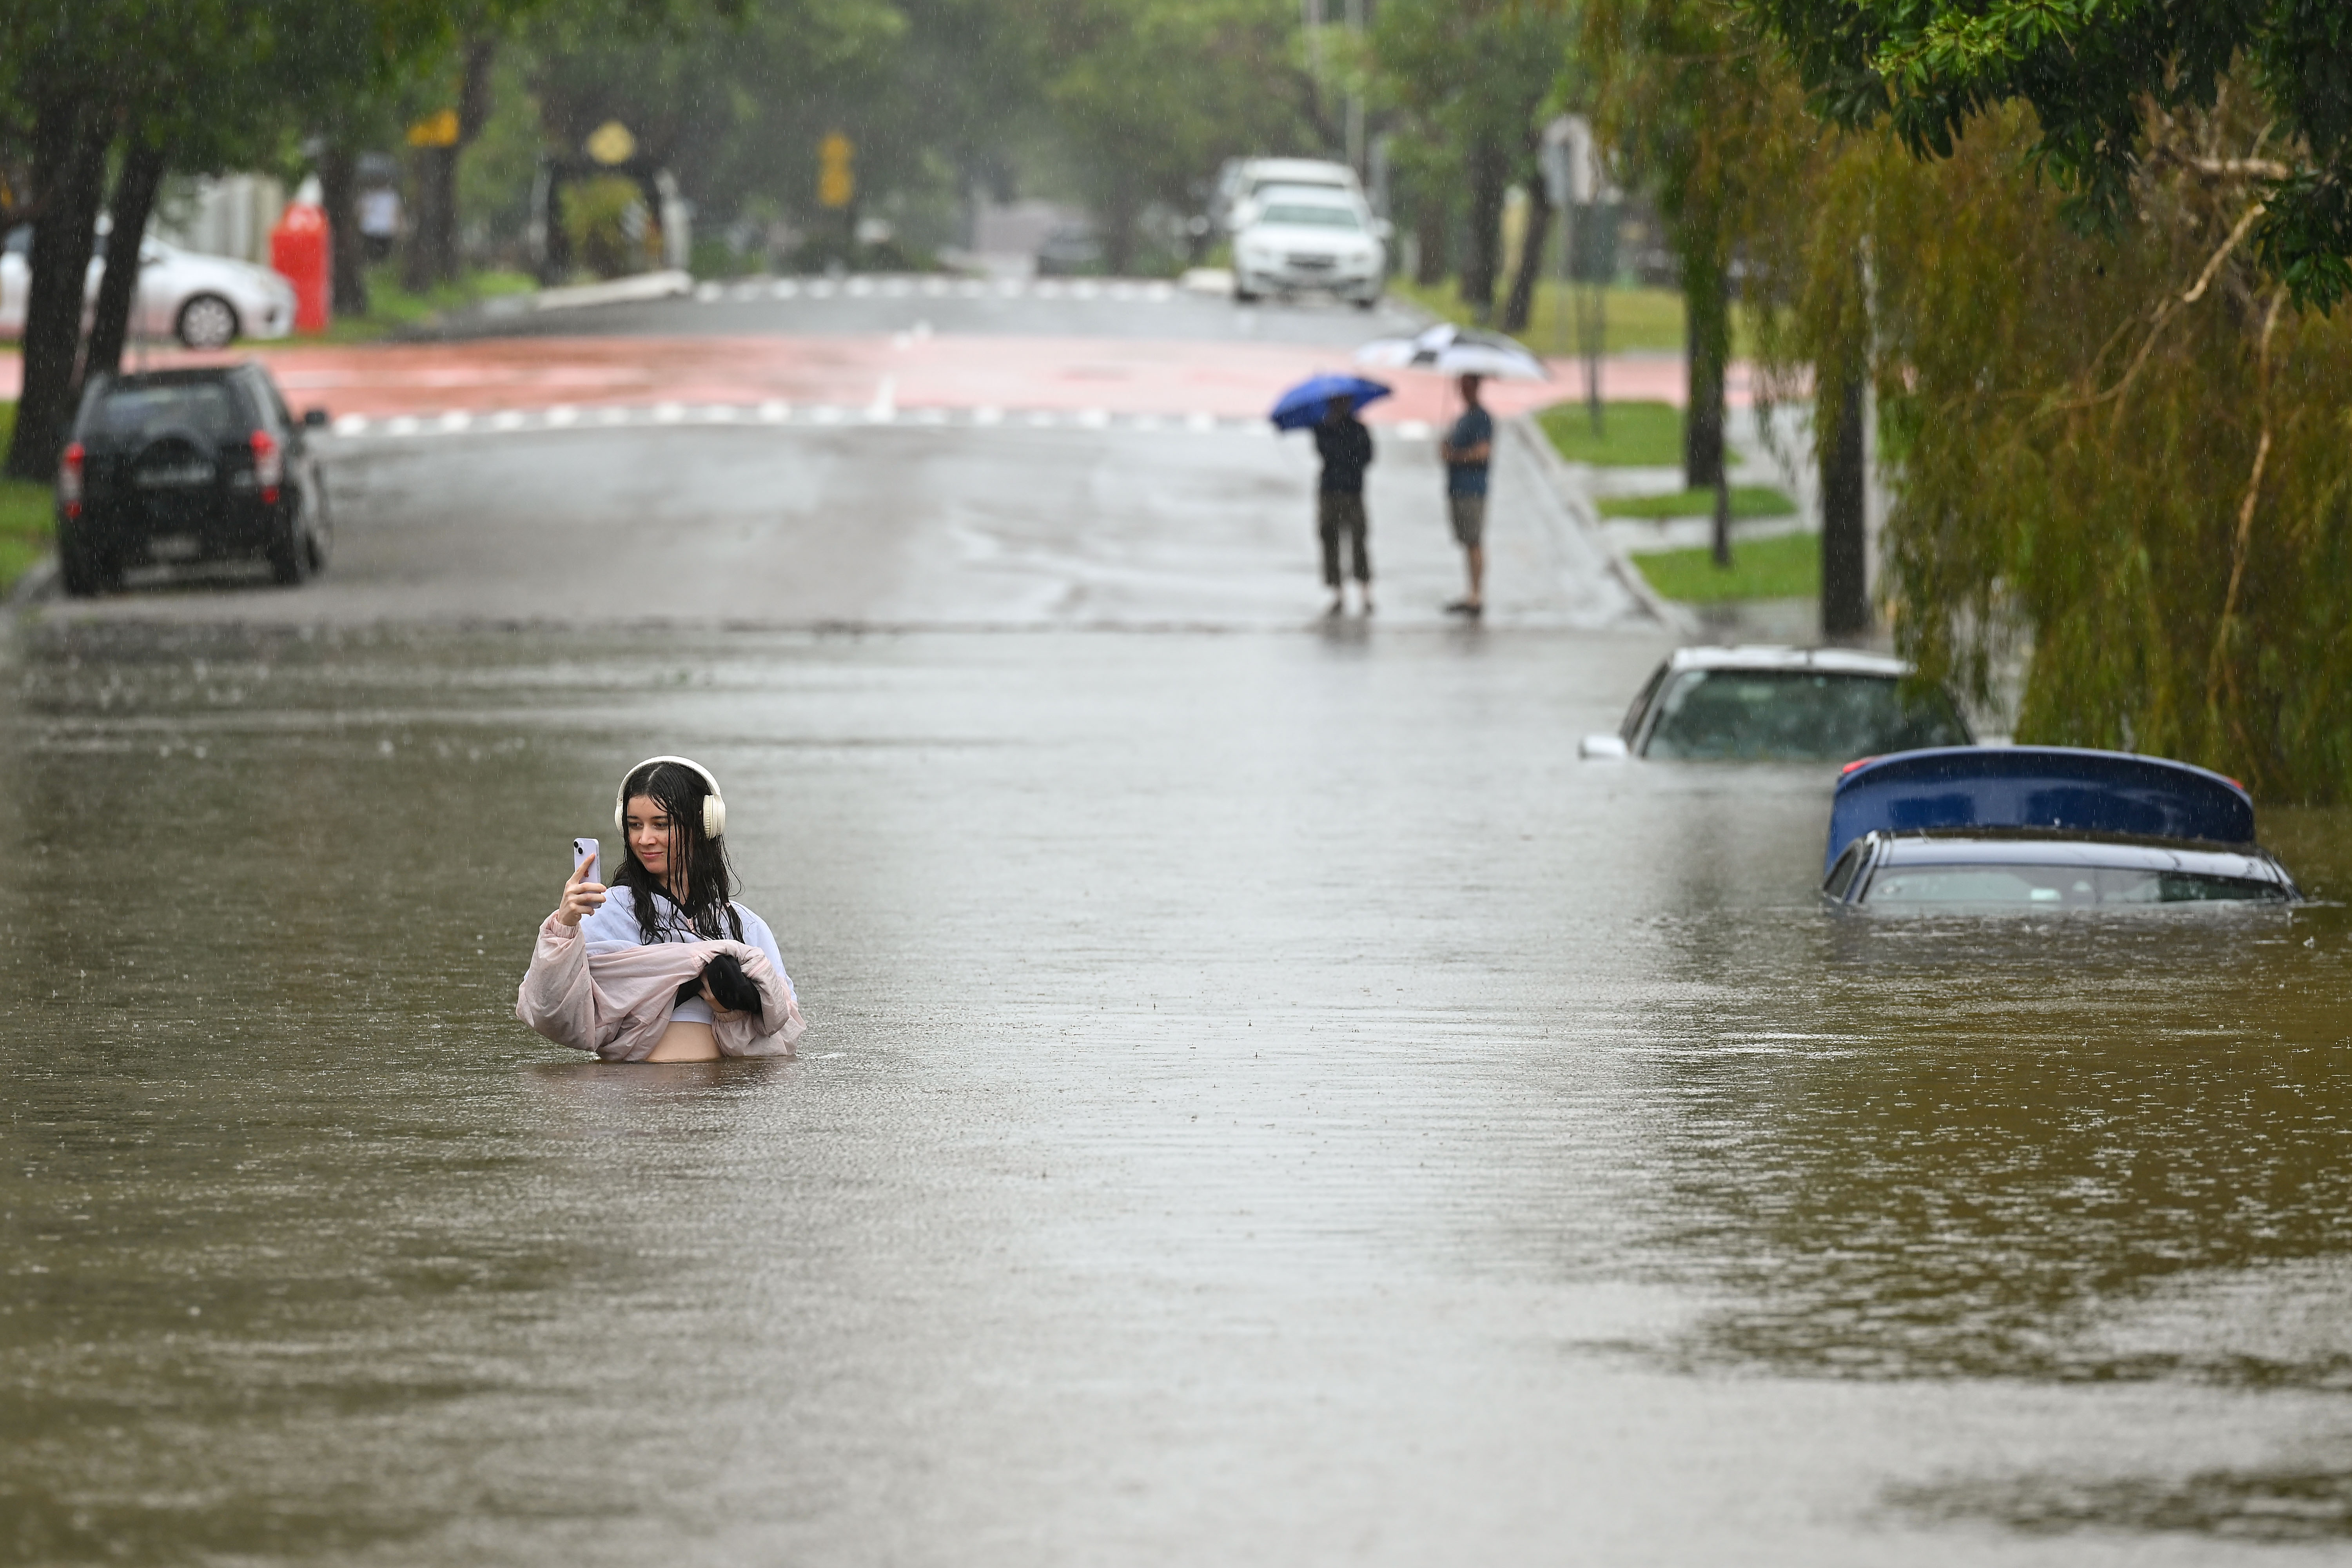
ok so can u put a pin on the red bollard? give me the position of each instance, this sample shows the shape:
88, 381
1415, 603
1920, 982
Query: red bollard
299, 251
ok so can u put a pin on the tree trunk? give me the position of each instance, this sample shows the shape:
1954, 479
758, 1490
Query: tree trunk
338, 190
432, 255
1487, 169
1707, 339
1838, 433
429, 256
69, 144
118, 289
1432, 226
1520, 308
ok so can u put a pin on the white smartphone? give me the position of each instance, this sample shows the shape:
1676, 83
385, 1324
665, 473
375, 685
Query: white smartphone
583, 851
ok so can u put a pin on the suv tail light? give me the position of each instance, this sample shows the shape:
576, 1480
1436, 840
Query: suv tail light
69, 479
268, 466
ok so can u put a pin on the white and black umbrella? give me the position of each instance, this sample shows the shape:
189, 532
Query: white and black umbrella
1450, 350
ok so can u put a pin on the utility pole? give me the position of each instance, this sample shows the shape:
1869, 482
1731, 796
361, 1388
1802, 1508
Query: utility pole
1355, 15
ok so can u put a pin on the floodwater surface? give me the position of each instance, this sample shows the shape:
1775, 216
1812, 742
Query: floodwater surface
1266, 1101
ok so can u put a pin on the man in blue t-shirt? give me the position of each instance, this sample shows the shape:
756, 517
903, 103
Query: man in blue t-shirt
1468, 450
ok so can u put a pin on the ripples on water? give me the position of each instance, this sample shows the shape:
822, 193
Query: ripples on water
1211, 991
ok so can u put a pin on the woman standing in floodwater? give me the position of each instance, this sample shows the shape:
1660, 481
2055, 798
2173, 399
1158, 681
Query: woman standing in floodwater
663, 966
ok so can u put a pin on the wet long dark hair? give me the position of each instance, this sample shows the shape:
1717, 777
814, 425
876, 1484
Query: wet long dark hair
709, 904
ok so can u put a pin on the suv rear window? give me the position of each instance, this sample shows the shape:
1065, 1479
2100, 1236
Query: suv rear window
207, 409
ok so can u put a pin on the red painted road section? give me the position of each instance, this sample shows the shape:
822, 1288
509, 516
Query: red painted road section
1116, 375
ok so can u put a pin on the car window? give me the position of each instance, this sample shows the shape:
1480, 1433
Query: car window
1795, 715
277, 405
207, 408
2058, 887
1641, 705
1312, 218
20, 240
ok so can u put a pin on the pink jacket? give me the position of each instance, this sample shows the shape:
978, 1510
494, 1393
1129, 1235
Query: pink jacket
616, 1004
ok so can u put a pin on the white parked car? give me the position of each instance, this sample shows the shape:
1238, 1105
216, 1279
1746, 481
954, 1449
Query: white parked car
1241, 180
1288, 239
205, 301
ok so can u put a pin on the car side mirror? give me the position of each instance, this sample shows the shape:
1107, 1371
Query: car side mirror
314, 419
1603, 749
1383, 229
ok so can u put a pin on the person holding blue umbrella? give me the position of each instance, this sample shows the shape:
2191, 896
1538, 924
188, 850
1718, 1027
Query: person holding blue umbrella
1327, 404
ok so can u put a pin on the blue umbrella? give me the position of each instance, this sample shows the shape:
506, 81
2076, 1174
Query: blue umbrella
1304, 404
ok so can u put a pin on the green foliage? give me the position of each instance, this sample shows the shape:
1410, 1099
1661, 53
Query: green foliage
1747, 501
599, 216
1150, 95
27, 513
1786, 566
1633, 435
2094, 73
2123, 456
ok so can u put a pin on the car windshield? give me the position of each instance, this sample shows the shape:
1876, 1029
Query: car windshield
207, 408
2057, 887
1306, 216
1796, 715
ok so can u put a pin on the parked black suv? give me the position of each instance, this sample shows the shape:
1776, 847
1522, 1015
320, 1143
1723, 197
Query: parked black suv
188, 465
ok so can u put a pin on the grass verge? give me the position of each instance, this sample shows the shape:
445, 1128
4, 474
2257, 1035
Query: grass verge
1633, 435
24, 515
1786, 567
392, 307
1747, 501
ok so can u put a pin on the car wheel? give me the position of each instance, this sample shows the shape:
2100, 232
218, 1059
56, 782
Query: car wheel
1243, 297
1366, 301
291, 557
83, 569
208, 321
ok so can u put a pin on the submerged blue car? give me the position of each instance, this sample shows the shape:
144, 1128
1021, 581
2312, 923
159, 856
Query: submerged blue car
2042, 828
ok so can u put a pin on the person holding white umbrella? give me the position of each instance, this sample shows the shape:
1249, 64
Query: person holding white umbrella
1469, 448
1467, 451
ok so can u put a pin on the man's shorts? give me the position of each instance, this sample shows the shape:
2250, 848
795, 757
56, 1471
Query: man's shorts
1469, 520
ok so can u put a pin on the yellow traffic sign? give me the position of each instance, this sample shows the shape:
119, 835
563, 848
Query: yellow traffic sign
835, 186
611, 143
435, 131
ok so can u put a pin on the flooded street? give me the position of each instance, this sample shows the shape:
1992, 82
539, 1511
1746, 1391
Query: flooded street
1266, 1101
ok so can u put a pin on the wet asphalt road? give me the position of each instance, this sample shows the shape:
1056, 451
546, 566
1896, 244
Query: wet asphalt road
1037, 308
1266, 1101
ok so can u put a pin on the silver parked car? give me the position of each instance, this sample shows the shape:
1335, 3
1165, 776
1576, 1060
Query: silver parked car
1780, 704
205, 302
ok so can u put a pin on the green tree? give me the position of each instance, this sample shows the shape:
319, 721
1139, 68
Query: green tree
1148, 96
2096, 76
1479, 78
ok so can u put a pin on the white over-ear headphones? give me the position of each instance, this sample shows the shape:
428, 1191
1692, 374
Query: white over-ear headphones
714, 807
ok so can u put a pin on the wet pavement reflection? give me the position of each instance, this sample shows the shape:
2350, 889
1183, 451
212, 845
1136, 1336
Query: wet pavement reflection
1266, 1101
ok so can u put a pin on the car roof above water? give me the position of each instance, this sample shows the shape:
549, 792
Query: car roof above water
1766, 657
2026, 848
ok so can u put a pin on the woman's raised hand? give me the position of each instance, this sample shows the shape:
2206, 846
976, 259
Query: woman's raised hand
580, 896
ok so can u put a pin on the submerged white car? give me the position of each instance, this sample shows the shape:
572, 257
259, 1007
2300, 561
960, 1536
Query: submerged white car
205, 302
1288, 239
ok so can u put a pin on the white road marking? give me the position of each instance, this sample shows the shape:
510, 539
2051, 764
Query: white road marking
507, 419
985, 415
562, 413
774, 413
668, 413
707, 292
351, 424
783, 288
457, 419
884, 406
